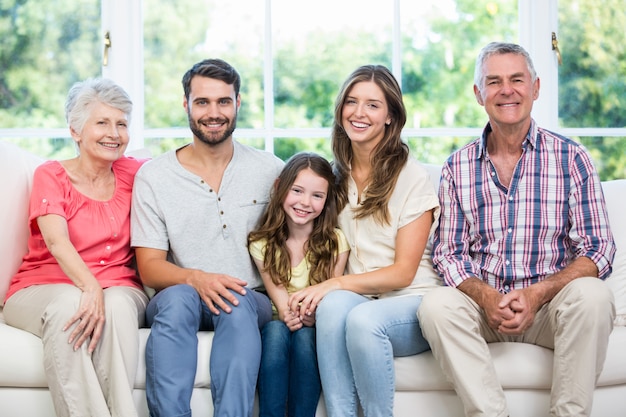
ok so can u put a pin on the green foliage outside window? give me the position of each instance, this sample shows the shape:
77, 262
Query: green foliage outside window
43, 50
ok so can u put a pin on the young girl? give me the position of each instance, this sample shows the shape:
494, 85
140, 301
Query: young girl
296, 245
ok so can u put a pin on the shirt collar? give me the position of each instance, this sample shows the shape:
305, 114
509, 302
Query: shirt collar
530, 140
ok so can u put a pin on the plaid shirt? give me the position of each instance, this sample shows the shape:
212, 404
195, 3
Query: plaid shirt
552, 213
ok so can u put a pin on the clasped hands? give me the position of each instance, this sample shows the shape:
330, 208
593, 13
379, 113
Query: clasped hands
512, 313
294, 321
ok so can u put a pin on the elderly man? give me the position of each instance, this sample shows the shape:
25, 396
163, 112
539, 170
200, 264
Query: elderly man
523, 245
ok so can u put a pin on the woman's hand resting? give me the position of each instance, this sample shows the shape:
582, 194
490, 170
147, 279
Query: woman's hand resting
305, 301
88, 320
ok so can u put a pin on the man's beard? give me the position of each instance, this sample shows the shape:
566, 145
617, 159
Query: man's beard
212, 139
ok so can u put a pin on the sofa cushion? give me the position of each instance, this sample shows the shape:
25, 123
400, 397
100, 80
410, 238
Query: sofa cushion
21, 356
615, 196
16, 170
27, 370
614, 371
422, 373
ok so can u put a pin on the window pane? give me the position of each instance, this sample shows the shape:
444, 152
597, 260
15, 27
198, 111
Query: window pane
435, 150
286, 147
440, 41
592, 77
179, 33
608, 154
45, 46
316, 45
46, 147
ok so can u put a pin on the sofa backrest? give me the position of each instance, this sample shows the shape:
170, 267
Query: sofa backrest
17, 167
16, 173
615, 196
434, 171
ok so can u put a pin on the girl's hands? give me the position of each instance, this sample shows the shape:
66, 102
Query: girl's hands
308, 320
89, 319
292, 321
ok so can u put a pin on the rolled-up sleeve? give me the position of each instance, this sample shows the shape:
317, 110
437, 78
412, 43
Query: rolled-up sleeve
590, 232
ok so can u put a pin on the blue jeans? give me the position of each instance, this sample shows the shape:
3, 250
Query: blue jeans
357, 339
175, 314
289, 378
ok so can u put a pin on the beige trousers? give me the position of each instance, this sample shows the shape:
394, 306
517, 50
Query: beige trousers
82, 384
576, 324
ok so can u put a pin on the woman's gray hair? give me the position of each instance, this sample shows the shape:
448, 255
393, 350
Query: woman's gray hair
499, 48
84, 94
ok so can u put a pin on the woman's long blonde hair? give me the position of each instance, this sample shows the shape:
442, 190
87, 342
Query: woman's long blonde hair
322, 246
388, 157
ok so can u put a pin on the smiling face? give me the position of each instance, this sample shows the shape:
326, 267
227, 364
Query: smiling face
212, 110
105, 133
305, 198
508, 90
365, 113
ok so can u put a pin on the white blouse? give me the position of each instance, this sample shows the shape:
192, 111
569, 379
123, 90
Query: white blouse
373, 245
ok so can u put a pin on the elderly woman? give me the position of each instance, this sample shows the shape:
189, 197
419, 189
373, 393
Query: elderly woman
76, 288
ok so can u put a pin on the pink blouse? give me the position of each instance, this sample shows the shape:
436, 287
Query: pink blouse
99, 230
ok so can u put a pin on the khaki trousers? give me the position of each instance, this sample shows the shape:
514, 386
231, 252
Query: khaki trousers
82, 384
576, 324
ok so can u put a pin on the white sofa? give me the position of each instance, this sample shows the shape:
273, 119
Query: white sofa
524, 370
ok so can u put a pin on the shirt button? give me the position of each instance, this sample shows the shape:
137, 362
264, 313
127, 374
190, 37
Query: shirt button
101, 262
44, 200
224, 227
507, 262
510, 230
108, 247
511, 198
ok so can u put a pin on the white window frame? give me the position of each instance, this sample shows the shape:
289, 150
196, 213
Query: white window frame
125, 57
124, 21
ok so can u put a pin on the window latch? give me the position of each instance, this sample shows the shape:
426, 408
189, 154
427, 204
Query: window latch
555, 47
107, 45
